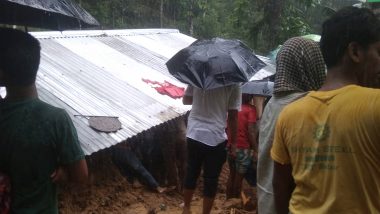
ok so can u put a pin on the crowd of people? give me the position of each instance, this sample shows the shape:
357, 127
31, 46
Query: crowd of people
315, 145
318, 148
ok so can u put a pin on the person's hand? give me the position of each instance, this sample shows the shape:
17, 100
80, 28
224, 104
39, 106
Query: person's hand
232, 151
59, 175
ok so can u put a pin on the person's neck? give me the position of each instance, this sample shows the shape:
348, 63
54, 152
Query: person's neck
20, 93
338, 77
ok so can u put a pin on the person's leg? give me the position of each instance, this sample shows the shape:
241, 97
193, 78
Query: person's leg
251, 174
194, 164
242, 162
207, 204
147, 177
181, 152
231, 178
212, 166
187, 197
119, 160
237, 184
129, 160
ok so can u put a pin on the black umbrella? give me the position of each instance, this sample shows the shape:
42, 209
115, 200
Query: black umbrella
48, 14
265, 72
260, 88
214, 63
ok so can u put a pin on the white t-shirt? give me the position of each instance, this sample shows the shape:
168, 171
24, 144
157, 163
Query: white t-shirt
208, 117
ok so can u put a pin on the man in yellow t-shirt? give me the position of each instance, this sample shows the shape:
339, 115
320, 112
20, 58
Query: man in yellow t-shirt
327, 145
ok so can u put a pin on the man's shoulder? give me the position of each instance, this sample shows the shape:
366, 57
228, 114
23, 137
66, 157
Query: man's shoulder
353, 93
294, 110
296, 105
49, 110
356, 94
218, 93
223, 89
47, 106
366, 91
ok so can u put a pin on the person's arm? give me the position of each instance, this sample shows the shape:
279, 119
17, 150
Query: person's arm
283, 186
252, 138
232, 121
188, 97
72, 164
187, 100
76, 172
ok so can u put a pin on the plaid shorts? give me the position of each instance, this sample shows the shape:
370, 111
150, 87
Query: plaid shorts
242, 161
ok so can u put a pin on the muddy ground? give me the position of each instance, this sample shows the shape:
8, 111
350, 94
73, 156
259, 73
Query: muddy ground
109, 192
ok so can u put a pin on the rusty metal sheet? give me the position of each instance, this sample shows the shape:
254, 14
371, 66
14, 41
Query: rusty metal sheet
104, 124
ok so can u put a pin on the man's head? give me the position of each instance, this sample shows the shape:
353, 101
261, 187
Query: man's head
299, 66
351, 38
19, 58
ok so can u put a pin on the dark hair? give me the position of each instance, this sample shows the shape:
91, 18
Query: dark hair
246, 98
19, 57
350, 24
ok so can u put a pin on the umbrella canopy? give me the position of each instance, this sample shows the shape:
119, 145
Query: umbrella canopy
260, 88
265, 72
48, 14
214, 63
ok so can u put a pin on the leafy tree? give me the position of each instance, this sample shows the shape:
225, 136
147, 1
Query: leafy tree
261, 24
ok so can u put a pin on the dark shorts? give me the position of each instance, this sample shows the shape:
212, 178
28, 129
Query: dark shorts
211, 159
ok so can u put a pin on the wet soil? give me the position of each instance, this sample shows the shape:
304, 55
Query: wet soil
109, 192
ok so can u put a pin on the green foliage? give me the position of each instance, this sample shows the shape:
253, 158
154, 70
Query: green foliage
294, 21
261, 24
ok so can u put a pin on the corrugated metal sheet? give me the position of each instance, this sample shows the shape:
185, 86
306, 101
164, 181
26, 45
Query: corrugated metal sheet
100, 73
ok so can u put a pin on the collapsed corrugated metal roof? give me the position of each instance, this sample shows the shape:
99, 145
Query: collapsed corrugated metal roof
100, 73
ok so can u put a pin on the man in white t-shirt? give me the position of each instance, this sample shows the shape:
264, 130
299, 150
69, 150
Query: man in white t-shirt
206, 138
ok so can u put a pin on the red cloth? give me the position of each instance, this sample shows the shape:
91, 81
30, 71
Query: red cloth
166, 88
246, 115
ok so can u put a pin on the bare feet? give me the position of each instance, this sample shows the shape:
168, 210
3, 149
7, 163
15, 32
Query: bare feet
165, 189
160, 189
